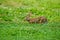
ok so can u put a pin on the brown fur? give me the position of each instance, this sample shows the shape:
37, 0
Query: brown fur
40, 19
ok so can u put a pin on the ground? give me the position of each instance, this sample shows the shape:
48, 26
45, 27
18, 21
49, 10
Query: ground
13, 26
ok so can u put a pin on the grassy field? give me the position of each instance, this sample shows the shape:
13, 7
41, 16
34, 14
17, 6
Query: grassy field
13, 26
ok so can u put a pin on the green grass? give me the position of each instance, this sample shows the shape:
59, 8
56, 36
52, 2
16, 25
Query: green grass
13, 26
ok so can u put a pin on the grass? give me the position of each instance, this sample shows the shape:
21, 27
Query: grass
13, 26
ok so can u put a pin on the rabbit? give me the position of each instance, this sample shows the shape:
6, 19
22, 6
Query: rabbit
40, 19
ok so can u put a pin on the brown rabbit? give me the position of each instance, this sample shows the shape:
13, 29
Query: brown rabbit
35, 20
